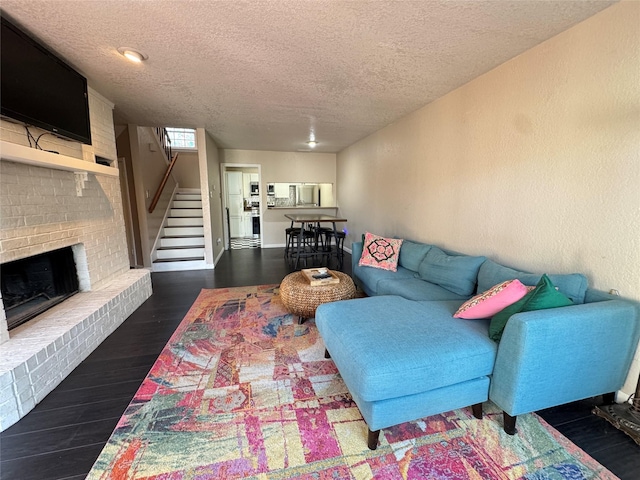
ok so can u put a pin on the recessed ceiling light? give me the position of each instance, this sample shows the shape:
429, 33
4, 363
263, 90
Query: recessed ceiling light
312, 143
132, 54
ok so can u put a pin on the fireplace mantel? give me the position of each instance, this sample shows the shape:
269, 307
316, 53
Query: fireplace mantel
14, 152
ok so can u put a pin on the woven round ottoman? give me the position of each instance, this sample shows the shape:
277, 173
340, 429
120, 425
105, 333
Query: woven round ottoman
302, 299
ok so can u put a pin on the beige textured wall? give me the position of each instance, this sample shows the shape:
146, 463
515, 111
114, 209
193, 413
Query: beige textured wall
287, 166
535, 164
210, 169
291, 167
186, 170
149, 167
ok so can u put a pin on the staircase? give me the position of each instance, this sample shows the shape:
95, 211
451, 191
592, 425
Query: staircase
181, 246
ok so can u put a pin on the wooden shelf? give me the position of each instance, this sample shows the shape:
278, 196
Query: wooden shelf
39, 158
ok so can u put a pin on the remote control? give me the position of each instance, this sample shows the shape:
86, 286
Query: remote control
321, 276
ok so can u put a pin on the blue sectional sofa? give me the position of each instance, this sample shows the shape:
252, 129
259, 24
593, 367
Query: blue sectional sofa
403, 355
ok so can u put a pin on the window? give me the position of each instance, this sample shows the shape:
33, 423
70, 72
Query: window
182, 138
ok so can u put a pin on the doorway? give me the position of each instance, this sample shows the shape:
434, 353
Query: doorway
242, 206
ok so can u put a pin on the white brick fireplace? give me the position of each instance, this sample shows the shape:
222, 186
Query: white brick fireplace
50, 201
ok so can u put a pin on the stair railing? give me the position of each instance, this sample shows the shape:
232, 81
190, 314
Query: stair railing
165, 141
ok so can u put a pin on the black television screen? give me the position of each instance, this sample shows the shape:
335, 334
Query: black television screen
39, 89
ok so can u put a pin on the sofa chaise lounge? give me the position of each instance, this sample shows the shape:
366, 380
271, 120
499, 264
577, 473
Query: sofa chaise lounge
403, 355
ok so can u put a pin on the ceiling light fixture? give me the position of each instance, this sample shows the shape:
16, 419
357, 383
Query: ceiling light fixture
132, 54
312, 143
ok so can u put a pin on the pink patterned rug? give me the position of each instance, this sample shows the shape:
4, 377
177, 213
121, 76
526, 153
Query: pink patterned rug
242, 391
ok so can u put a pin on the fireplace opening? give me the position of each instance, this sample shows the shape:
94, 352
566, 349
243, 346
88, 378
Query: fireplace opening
34, 284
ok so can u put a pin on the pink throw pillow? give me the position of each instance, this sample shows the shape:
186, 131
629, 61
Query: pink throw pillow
380, 252
488, 303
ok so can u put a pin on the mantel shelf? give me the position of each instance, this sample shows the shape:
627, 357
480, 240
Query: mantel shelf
39, 158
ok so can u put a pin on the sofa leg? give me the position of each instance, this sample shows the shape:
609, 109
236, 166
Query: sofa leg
609, 398
477, 410
372, 439
509, 423
326, 353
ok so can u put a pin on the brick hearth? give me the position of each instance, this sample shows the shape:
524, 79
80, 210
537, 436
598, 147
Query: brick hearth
42, 352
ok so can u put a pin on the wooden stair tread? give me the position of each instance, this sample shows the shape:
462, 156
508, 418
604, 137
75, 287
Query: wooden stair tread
185, 259
182, 236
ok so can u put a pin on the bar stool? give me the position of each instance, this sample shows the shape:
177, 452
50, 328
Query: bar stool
340, 236
322, 233
328, 249
302, 246
290, 233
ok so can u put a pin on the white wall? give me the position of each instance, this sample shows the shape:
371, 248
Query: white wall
41, 210
535, 164
102, 131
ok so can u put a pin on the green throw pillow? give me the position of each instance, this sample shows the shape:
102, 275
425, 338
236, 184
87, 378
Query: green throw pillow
542, 297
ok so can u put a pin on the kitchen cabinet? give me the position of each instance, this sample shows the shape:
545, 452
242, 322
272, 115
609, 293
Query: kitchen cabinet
247, 180
236, 227
235, 204
248, 225
282, 190
246, 184
234, 183
301, 194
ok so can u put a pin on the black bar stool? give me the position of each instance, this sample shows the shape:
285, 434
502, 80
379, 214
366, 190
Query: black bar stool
331, 250
290, 233
302, 246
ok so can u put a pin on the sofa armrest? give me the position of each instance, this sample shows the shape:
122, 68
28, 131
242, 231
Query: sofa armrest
356, 253
555, 356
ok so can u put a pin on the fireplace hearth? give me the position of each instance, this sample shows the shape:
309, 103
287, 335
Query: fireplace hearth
32, 285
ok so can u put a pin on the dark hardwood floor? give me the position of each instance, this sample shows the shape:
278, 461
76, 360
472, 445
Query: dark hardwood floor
63, 435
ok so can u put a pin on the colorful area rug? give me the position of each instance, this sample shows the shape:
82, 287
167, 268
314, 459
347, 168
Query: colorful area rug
242, 391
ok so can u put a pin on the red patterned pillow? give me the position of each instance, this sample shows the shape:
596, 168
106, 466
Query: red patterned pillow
488, 303
380, 252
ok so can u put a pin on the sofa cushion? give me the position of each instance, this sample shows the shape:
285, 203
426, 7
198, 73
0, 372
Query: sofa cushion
573, 285
388, 346
490, 302
544, 296
412, 254
457, 273
417, 289
370, 277
380, 252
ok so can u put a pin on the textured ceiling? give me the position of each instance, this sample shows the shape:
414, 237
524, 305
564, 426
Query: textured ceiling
263, 74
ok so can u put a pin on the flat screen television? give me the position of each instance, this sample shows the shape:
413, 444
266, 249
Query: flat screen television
40, 89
